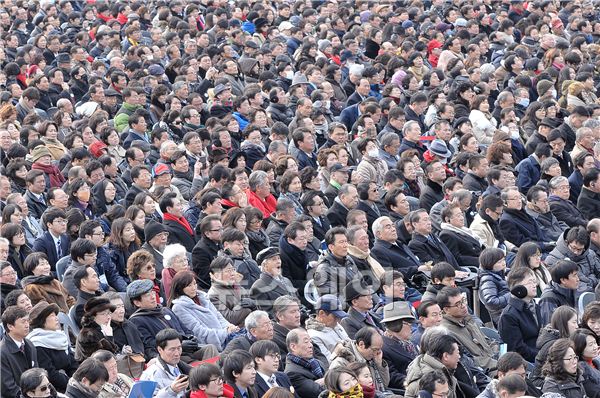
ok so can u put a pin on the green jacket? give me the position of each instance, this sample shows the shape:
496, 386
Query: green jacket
122, 118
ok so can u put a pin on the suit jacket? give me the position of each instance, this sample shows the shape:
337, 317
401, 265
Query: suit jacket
45, 244
397, 256
303, 380
430, 195
432, 249
589, 203
372, 215
14, 363
337, 214
282, 380
178, 234
132, 193
331, 193
465, 248
202, 255
566, 211
266, 289
319, 231
356, 321
36, 207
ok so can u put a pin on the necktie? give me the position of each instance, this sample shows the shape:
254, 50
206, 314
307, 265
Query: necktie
272, 381
244, 394
22, 348
58, 249
176, 371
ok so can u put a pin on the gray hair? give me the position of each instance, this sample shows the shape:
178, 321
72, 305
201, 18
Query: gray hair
351, 233
274, 146
581, 132
592, 123
171, 252
377, 227
165, 146
556, 181
282, 303
388, 139
430, 333
283, 204
256, 179
462, 194
251, 321
179, 85
548, 162
597, 148
409, 125
4, 240
293, 337
505, 191
112, 296
345, 189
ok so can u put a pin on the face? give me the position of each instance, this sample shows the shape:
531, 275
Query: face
513, 200
374, 349
423, 226
191, 290
457, 307
128, 233
451, 360
570, 361
388, 231
304, 347
247, 376
118, 315
146, 300
346, 381
148, 271
21, 328
171, 354
572, 282
42, 390
365, 377
9, 275
434, 317
290, 317
42, 268
263, 329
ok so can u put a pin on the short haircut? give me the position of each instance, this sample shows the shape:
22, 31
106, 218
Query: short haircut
262, 348
513, 384
167, 201
430, 379
11, 314
442, 270
206, 222
252, 319
516, 276
443, 296
510, 361
79, 275
332, 233
164, 336
282, 303
201, 375
93, 370
440, 345
489, 257
235, 362
422, 310
365, 335
590, 176
562, 269
232, 235
577, 234
52, 214
81, 247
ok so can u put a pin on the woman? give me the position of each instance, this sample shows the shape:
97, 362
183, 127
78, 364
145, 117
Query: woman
34, 383
103, 197
195, 310
122, 243
8, 282
532, 118
140, 265
562, 371
562, 324
12, 214
42, 160
468, 143
52, 344
111, 138
49, 134
40, 284
125, 334
484, 125
460, 240
257, 236
118, 384
411, 183
371, 168
96, 332
138, 219
79, 197
326, 158
500, 154
17, 247
16, 171
493, 289
147, 203
225, 292
259, 193
416, 66
529, 256
290, 187
586, 349
64, 121
175, 260
342, 382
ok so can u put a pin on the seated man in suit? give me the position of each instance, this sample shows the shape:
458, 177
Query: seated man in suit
426, 245
305, 372
359, 299
266, 357
55, 241
258, 326
346, 200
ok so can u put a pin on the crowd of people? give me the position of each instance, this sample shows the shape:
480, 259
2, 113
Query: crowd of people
300, 199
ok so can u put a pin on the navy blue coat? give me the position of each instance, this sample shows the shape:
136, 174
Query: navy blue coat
398, 360
519, 329
397, 256
45, 244
261, 387
529, 173
349, 116
519, 227
433, 250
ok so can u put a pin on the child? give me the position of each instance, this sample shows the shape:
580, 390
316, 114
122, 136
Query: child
365, 379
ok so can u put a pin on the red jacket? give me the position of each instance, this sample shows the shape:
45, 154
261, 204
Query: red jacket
267, 206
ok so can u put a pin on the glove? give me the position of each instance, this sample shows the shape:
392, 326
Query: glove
247, 302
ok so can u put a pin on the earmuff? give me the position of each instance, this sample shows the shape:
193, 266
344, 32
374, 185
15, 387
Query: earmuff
273, 97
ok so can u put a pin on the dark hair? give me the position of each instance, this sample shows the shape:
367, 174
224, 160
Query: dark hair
443, 296
11, 314
554, 365
489, 257
32, 261
562, 269
512, 384
262, 348
560, 319
180, 281
81, 247
365, 335
164, 336
510, 361
578, 234
591, 311
440, 345
332, 233
235, 362
491, 202
525, 252
31, 379
79, 275
442, 270
579, 338
232, 235
93, 370
430, 379
202, 374
52, 214
332, 378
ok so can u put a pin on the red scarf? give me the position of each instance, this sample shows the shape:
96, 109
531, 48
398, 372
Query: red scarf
53, 173
180, 220
228, 392
228, 203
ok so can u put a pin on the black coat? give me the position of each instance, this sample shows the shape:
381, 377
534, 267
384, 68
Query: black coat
266, 289
397, 256
282, 380
518, 227
589, 203
132, 193
566, 211
35, 206
431, 194
45, 244
474, 183
14, 363
178, 234
126, 333
398, 359
337, 214
293, 263
372, 214
466, 249
202, 255
433, 250
303, 380
319, 230
356, 321
519, 328
59, 364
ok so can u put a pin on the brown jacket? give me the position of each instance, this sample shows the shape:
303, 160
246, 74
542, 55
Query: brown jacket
46, 288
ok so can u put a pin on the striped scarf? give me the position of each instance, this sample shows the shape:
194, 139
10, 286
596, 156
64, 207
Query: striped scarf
311, 364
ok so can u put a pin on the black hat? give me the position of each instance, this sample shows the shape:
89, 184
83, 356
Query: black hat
39, 313
581, 111
152, 229
251, 44
96, 305
260, 22
111, 92
339, 167
548, 122
357, 288
267, 253
63, 58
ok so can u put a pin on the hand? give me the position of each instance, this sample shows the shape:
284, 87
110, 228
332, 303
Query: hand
232, 329
198, 166
320, 381
378, 358
127, 350
106, 330
461, 274
65, 86
180, 384
247, 302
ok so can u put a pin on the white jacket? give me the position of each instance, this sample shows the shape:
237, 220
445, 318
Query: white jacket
483, 127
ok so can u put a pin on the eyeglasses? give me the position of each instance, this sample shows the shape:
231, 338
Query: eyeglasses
59, 221
275, 355
574, 357
218, 380
462, 303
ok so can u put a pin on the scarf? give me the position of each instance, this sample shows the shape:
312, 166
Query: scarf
407, 346
180, 220
494, 226
311, 364
374, 264
54, 175
460, 231
52, 339
368, 391
83, 390
354, 392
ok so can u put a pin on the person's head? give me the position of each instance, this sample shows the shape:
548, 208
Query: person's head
577, 240
296, 235
525, 278
37, 264
16, 322
443, 273
84, 251
122, 233
564, 319
528, 255
565, 273
430, 314
110, 363
55, 221
35, 383
445, 349
492, 259
18, 298
259, 325
492, 206
435, 383
384, 229
337, 241
348, 195
584, 344
208, 378
298, 343
561, 363
559, 186
591, 317
266, 356
168, 344
512, 198
211, 227
92, 374
223, 271
141, 294
420, 221
238, 369
512, 386
340, 380
286, 310
453, 302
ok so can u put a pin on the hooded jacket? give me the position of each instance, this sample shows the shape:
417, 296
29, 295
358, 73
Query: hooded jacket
548, 335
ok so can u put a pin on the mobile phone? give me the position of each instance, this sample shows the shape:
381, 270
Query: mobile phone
202, 159
182, 377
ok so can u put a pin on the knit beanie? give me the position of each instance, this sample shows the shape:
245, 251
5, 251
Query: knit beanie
543, 86
152, 229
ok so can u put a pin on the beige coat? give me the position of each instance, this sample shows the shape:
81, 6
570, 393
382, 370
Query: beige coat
470, 337
420, 366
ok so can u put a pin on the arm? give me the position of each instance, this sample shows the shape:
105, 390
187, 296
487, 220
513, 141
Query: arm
204, 333
200, 265
323, 278
10, 388
488, 292
57, 378
304, 386
512, 233
148, 339
234, 315
547, 307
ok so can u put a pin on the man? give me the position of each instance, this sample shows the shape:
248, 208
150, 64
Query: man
540, 136
324, 327
560, 291
313, 203
511, 367
89, 378
430, 315
443, 355
178, 227
346, 200
589, 199
475, 180
538, 208
388, 150
397, 204
424, 244
358, 297
133, 99
305, 142
169, 372
433, 192
415, 110
593, 229
233, 241
271, 284
336, 269
207, 248
395, 122
305, 372
519, 324
284, 215
267, 358
529, 169
55, 241
286, 311
258, 327
434, 384
156, 240
458, 321
561, 206
412, 134
138, 128
584, 142
294, 259
240, 373
583, 162
17, 353
519, 227
142, 181
338, 176
209, 380
392, 253
35, 197
83, 254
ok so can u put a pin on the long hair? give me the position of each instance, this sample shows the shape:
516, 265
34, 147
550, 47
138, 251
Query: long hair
116, 234
554, 366
560, 320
